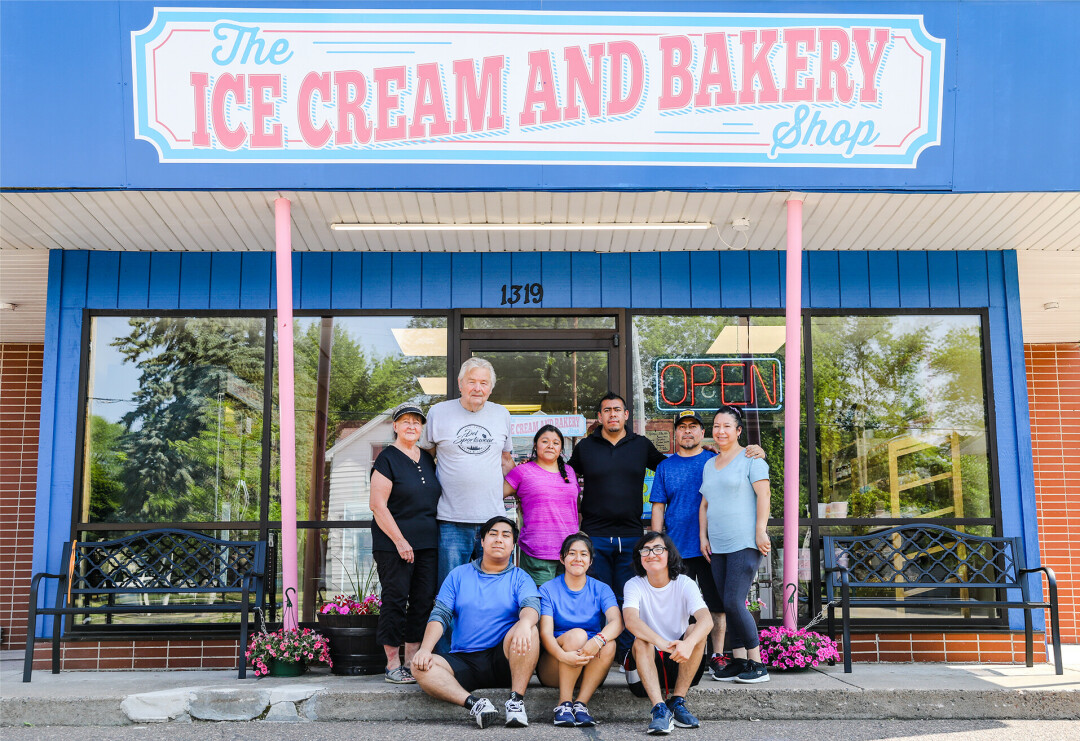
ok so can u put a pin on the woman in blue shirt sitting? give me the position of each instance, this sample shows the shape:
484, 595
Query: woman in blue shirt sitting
579, 622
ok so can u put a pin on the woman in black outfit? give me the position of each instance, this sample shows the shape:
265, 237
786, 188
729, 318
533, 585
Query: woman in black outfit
405, 540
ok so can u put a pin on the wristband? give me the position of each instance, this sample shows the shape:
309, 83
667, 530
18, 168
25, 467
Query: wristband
600, 639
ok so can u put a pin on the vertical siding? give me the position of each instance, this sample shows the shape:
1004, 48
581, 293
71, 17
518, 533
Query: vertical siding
557, 278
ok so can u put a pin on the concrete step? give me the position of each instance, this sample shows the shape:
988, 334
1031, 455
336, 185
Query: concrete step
872, 691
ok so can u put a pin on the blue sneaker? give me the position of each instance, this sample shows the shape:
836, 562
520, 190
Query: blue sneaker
662, 720
582, 717
564, 715
683, 717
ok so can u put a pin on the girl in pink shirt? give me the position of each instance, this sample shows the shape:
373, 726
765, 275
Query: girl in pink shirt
548, 491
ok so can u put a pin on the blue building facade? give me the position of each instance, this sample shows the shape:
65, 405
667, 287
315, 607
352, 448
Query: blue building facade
1002, 122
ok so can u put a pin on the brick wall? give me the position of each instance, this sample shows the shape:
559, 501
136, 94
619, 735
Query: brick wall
20, 408
128, 655
1053, 373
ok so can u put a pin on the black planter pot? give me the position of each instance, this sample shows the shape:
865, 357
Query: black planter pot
353, 647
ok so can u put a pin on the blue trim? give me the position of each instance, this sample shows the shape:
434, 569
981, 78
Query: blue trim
854, 273
195, 272
51, 359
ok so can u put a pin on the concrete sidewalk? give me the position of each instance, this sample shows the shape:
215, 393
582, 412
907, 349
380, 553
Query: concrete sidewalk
871, 691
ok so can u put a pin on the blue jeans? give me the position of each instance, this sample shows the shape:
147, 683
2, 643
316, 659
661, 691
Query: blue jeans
459, 543
614, 565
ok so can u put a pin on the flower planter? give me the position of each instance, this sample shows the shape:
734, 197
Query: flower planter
353, 648
287, 668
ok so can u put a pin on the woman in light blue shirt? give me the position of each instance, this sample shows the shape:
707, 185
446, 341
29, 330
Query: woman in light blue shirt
734, 534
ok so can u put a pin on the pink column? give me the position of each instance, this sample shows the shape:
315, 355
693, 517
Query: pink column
792, 401
287, 410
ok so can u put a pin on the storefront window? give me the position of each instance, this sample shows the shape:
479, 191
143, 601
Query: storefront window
370, 365
900, 414
174, 418
702, 362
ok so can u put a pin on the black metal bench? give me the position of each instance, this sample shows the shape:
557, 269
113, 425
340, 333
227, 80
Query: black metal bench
924, 565
146, 566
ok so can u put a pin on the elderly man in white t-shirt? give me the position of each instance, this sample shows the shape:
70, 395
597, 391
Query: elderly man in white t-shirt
471, 440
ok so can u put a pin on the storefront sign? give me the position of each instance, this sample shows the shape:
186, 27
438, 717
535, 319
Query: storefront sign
261, 85
706, 384
570, 425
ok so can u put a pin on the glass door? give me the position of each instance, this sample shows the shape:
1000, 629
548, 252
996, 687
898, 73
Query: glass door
548, 370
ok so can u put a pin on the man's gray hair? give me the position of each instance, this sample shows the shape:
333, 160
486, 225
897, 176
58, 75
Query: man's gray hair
471, 363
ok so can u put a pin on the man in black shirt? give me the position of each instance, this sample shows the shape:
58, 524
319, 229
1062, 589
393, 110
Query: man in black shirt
612, 463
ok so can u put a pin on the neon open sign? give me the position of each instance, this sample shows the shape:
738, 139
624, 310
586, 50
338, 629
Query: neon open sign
706, 384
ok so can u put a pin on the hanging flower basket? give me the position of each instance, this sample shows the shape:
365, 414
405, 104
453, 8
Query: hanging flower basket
785, 649
286, 647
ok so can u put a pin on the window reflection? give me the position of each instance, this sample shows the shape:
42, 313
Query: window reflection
369, 365
901, 417
174, 417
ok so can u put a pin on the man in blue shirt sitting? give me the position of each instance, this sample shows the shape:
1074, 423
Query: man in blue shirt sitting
494, 607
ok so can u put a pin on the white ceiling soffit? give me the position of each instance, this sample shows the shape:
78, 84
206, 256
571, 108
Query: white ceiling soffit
1050, 296
243, 220
24, 274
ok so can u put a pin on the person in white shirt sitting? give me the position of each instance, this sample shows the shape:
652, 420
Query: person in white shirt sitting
668, 654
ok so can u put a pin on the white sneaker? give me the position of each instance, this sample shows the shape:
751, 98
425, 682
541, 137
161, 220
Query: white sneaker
484, 712
515, 714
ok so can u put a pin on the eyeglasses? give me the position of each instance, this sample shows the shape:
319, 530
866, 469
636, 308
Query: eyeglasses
656, 550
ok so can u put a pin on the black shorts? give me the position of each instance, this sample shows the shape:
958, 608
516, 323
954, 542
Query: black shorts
476, 669
698, 569
667, 671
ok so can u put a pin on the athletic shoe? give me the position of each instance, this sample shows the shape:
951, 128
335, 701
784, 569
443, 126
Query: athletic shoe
399, 675
662, 720
564, 715
581, 715
683, 717
717, 662
732, 669
515, 713
755, 672
484, 712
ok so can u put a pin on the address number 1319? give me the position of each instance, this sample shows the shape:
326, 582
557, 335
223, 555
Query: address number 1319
525, 294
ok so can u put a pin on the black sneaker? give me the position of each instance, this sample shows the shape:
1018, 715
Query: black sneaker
732, 669
717, 662
755, 672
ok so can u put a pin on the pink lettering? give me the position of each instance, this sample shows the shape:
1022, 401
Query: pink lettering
350, 89
540, 91
625, 53
261, 109
475, 97
870, 64
429, 103
228, 83
716, 86
581, 84
390, 123
798, 41
314, 82
756, 64
677, 55
200, 137
835, 82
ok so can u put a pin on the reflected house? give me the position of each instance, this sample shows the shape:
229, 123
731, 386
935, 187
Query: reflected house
348, 498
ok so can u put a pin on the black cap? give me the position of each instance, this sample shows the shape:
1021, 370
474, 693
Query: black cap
688, 414
408, 409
